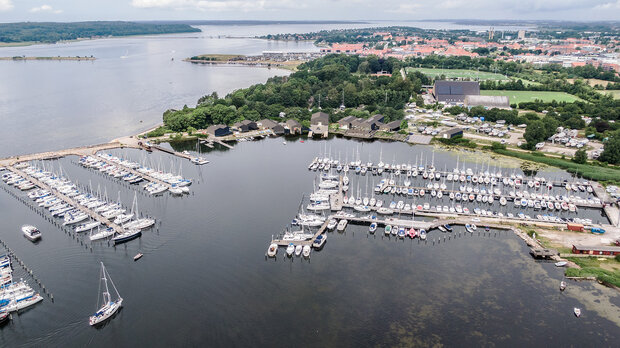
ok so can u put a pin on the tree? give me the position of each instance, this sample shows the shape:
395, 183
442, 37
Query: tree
611, 154
580, 156
534, 133
404, 125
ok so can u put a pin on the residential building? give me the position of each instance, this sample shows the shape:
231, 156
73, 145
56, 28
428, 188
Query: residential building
218, 130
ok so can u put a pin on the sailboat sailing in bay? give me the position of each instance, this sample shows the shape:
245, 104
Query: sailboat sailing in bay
108, 307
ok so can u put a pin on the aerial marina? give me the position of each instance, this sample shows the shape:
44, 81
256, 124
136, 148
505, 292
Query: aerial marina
404, 196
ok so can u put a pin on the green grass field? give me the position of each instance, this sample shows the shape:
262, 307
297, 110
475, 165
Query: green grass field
517, 97
459, 73
615, 93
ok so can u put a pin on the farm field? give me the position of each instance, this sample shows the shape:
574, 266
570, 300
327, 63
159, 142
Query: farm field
460, 73
517, 97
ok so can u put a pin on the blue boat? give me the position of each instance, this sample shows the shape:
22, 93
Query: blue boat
597, 230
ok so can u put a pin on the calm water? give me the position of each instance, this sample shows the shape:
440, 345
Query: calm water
204, 279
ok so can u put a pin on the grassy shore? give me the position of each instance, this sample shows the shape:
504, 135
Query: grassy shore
587, 171
606, 270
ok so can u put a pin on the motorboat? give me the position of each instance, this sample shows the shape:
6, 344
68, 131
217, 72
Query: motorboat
423, 234
272, 250
31, 232
298, 250
108, 307
290, 249
342, 225
331, 224
319, 241
561, 264
373, 227
577, 312
138, 256
562, 285
306, 251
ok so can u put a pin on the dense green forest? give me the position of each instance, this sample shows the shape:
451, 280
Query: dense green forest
330, 81
50, 32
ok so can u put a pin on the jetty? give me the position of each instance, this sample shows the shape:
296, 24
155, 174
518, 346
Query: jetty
68, 200
77, 151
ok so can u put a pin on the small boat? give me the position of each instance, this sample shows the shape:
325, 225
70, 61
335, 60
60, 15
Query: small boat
388, 230
298, 250
373, 227
290, 249
31, 232
561, 264
138, 256
562, 285
577, 312
4, 316
319, 241
306, 251
332, 224
273, 250
401, 232
108, 307
342, 225
423, 234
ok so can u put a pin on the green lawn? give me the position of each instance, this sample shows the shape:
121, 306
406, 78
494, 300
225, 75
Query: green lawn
517, 97
615, 93
462, 73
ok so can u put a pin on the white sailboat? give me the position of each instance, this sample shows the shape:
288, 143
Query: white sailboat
108, 307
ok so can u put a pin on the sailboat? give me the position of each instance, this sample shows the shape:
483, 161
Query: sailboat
108, 307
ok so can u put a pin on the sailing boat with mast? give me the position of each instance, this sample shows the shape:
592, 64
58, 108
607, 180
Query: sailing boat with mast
108, 307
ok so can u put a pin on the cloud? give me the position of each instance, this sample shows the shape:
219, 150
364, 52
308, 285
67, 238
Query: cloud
44, 8
6, 5
406, 8
219, 5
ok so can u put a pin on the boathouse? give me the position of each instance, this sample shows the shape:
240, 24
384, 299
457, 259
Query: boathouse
245, 126
452, 92
346, 122
218, 130
319, 124
596, 250
293, 127
390, 127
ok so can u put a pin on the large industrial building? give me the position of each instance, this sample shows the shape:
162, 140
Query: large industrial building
453, 92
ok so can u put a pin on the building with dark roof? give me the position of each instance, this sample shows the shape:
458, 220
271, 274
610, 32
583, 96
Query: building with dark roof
293, 127
451, 133
345, 122
378, 118
319, 124
245, 126
319, 118
218, 130
452, 92
271, 125
390, 127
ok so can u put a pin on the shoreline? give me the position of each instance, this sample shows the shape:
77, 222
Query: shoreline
17, 58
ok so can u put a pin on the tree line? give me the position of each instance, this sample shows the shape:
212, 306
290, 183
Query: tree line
51, 32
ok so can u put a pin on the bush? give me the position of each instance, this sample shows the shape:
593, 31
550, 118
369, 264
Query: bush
497, 146
158, 132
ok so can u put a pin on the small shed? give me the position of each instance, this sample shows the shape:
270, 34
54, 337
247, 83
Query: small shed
218, 130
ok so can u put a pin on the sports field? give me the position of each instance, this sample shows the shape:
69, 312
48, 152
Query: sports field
459, 73
517, 97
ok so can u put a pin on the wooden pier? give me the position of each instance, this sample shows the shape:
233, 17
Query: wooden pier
68, 200
135, 172
77, 151
172, 152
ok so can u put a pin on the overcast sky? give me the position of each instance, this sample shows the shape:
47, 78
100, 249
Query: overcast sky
76, 10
